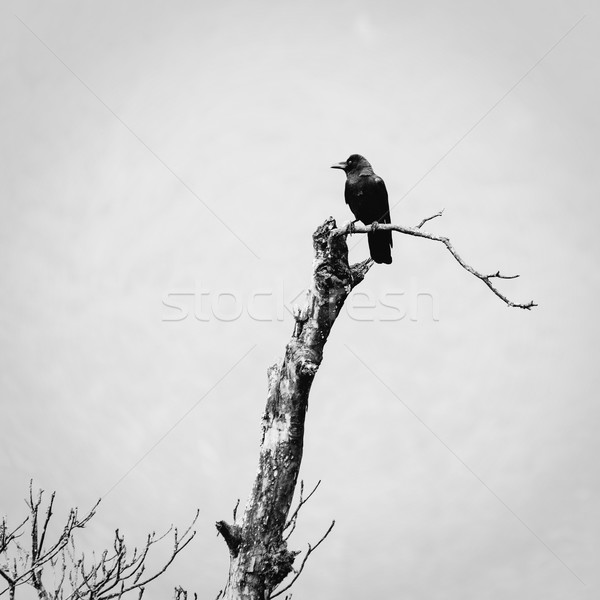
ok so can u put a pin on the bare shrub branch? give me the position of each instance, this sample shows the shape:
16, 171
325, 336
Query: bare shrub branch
111, 575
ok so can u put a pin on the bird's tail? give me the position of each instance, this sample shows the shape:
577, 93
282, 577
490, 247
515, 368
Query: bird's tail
380, 246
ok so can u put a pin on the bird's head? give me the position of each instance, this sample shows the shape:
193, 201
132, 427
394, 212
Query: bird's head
354, 163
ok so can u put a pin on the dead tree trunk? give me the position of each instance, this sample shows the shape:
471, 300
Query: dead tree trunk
259, 557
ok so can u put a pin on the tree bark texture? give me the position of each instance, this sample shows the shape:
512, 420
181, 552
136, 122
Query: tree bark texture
259, 557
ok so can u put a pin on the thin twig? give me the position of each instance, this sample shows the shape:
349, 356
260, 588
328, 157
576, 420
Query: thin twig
310, 550
111, 575
6, 539
179, 543
302, 501
293, 520
439, 214
46, 521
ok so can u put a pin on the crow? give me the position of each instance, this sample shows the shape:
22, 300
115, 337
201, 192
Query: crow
367, 198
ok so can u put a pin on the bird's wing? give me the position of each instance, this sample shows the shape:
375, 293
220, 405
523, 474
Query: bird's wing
380, 199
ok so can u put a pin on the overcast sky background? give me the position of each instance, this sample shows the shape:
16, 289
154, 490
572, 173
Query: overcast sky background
171, 159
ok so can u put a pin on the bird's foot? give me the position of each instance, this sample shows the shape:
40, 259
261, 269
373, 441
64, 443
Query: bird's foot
350, 226
374, 225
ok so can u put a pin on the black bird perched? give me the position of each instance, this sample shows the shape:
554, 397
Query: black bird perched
367, 198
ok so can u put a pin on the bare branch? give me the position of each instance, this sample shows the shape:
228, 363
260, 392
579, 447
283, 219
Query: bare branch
36, 560
9, 580
46, 521
7, 577
416, 231
181, 594
112, 575
310, 550
179, 543
301, 502
7, 538
5, 541
63, 573
237, 504
438, 214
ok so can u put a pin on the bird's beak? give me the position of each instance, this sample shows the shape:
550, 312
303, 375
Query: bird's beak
341, 166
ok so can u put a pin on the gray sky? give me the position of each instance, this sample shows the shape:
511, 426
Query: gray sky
161, 155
